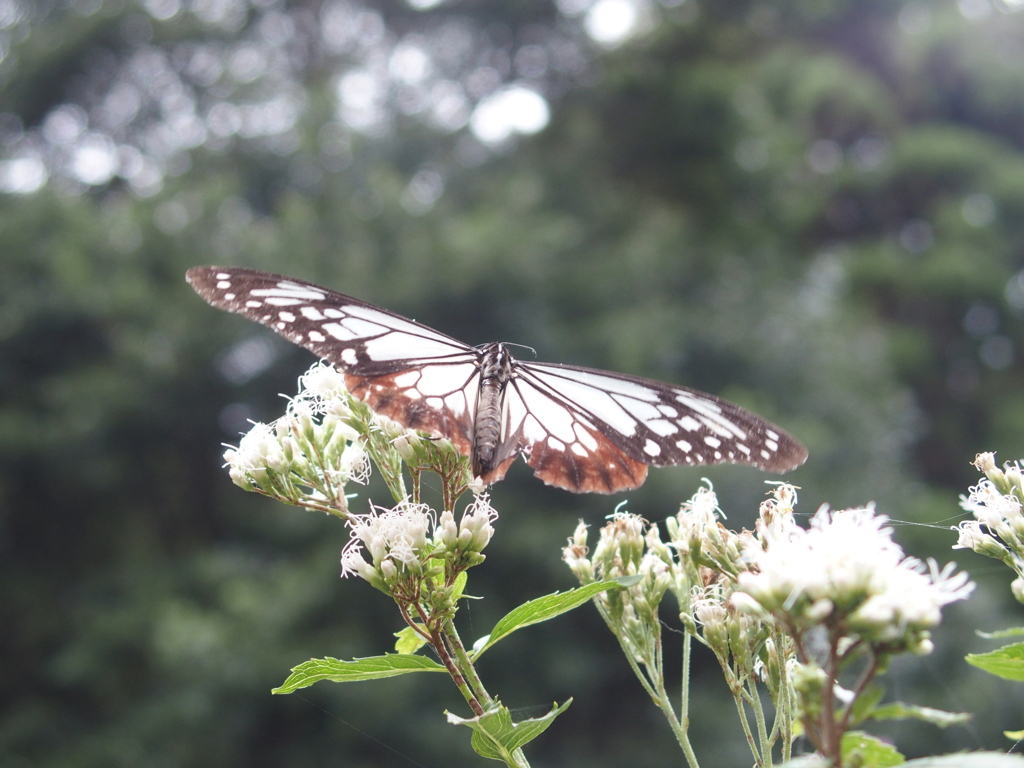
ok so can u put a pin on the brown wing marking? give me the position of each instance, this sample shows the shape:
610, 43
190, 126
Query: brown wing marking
437, 416
604, 469
498, 473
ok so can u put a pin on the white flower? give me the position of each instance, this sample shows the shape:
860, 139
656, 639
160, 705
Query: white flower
913, 598
258, 449
971, 536
575, 554
846, 563
475, 527
620, 545
398, 536
325, 381
989, 505
1001, 513
775, 518
985, 462
355, 464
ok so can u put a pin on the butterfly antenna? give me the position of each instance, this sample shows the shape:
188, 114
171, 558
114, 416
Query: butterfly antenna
522, 346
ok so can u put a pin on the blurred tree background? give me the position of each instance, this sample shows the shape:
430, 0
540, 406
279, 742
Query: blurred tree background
815, 209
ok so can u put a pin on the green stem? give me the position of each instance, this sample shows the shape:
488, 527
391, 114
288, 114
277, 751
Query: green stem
832, 741
464, 663
762, 730
862, 684
415, 484
437, 641
684, 696
737, 697
784, 704
653, 683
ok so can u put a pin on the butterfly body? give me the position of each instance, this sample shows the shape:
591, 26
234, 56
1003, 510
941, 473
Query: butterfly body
495, 373
581, 429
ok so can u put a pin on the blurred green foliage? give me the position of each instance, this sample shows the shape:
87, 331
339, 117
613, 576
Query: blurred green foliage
814, 209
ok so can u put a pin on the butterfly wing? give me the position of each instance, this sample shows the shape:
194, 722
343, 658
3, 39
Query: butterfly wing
406, 371
588, 430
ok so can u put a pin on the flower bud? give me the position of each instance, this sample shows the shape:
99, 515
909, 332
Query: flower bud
1017, 588
277, 461
743, 602
985, 462
971, 536
447, 529
404, 448
238, 477
808, 679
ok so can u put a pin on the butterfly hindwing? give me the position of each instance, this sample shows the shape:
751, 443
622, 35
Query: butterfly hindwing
661, 424
437, 397
565, 445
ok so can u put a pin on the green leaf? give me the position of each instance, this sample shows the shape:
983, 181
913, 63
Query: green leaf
1009, 632
900, 711
865, 706
536, 611
864, 750
460, 585
497, 737
409, 641
968, 760
629, 581
370, 668
1006, 662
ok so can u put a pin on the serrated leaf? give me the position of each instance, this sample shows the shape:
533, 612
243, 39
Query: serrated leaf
1009, 632
901, 711
866, 751
370, 668
968, 760
1006, 662
409, 641
497, 737
541, 609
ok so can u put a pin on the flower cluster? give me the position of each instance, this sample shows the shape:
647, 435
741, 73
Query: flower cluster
406, 545
846, 570
308, 455
326, 439
998, 528
760, 599
620, 554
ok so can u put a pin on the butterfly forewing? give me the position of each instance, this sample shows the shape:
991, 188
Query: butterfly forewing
581, 429
403, 370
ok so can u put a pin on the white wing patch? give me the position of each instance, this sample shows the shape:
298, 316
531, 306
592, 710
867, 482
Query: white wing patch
590, 398
400, 346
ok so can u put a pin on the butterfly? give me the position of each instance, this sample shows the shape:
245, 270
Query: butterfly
581, 429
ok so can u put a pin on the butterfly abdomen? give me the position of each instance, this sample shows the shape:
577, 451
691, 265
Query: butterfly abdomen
495, 372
